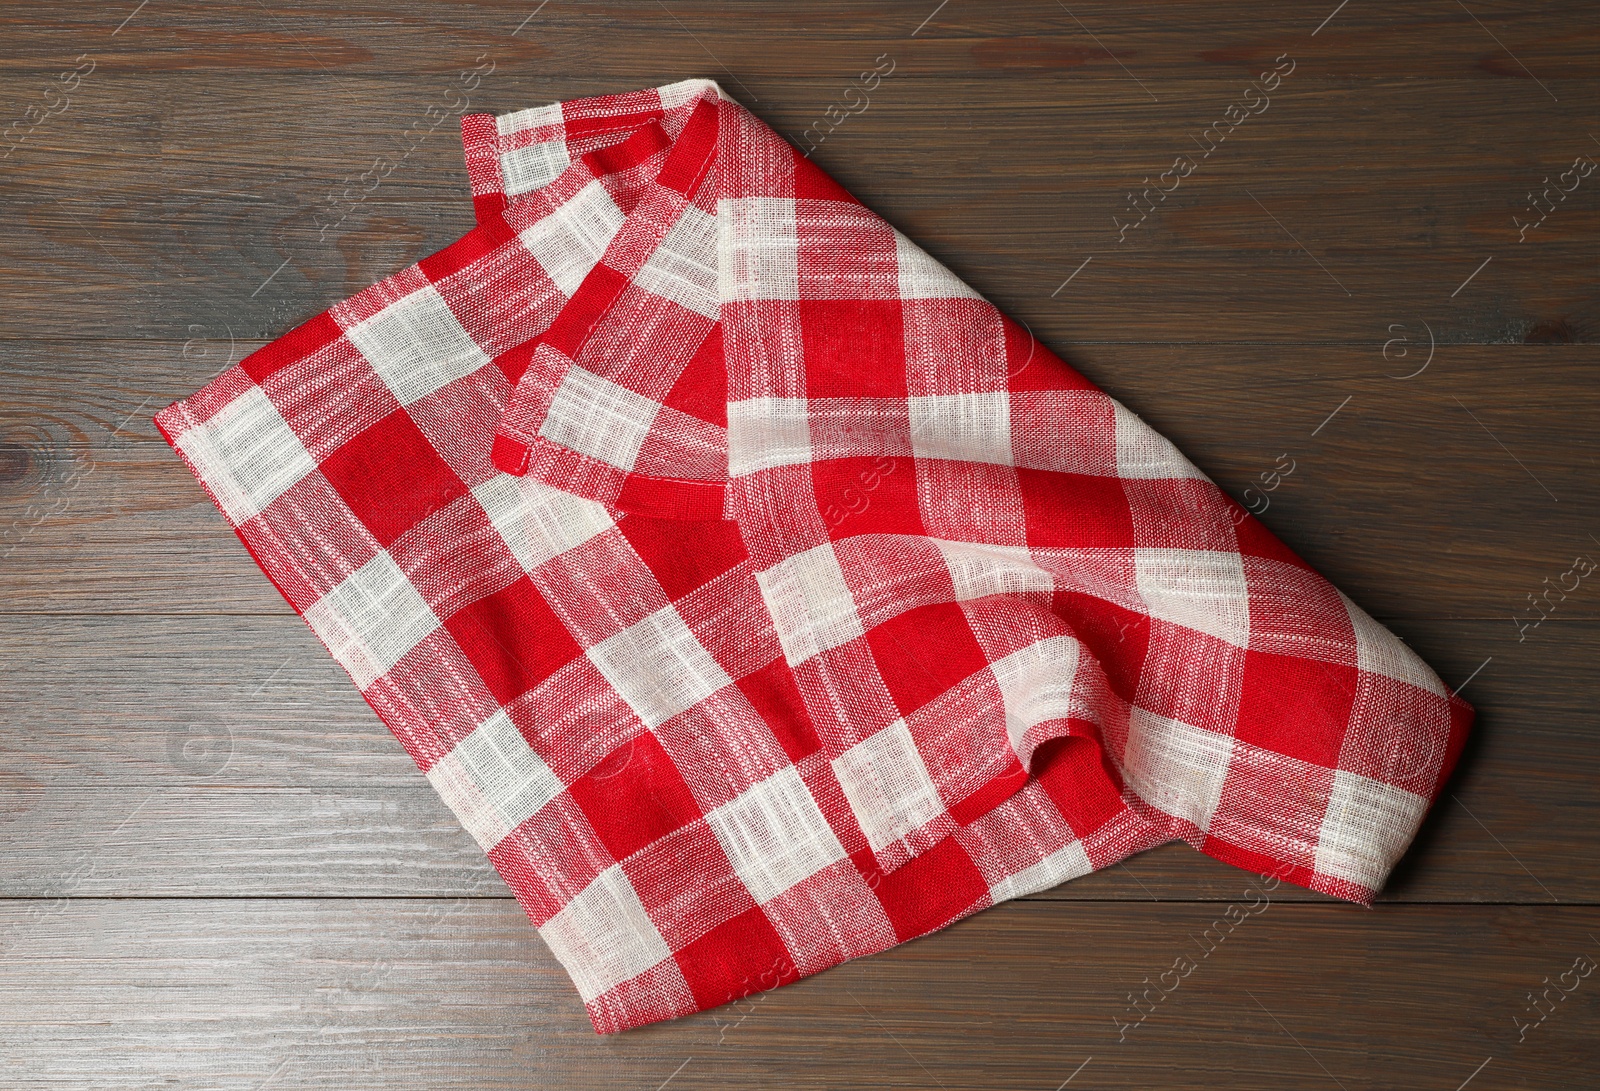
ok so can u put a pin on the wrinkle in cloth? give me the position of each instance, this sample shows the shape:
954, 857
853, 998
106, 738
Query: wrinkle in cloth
760, 597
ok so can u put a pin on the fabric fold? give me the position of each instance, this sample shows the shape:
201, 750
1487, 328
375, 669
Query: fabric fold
622, 398
760, 597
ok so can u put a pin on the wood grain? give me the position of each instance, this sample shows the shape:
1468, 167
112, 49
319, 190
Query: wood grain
221, 871
1268, 241
575, 41
378, 994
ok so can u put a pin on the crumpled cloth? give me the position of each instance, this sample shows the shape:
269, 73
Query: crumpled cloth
760, 597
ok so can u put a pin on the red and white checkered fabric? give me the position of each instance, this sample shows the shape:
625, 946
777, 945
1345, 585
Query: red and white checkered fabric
760, 597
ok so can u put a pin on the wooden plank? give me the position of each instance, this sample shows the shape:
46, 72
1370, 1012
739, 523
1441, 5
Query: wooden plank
213, 756
155, 702
1419, 498
1094, 41
990, 184
166, 842
246, 993
1044, 135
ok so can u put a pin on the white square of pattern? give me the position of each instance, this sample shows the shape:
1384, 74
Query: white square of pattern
921, 277
247, 454
978, 571
810, 603
764, 433
604, 937
658, 666
1201, 589
774, 835
676, 94
1068, 862
1176, 767
538, 522
479, 817
570, 241
534, 117
1069, 431
596, 417
963, 427
761, 251
506, 771
1036, 683
416, 346
372, 619
524, 169
1378, 650
1144, 452
684, 267
888, 786
1366, 828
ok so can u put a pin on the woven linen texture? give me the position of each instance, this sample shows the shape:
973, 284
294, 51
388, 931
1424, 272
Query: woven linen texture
758, 596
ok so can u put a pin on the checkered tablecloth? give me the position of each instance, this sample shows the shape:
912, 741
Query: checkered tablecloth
759, 596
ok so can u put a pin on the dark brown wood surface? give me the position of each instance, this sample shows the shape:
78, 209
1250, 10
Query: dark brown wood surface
218, 870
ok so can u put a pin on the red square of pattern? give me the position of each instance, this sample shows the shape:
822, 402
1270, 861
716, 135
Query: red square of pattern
924, 652
736, 958
867, 496
854, 348
1075, 510
1298, 707
514, 639
702, 389
683, 554
775, 696
391, 477
930, 890
635, 796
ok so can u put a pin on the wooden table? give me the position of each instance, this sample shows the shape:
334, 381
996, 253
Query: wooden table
220, 871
